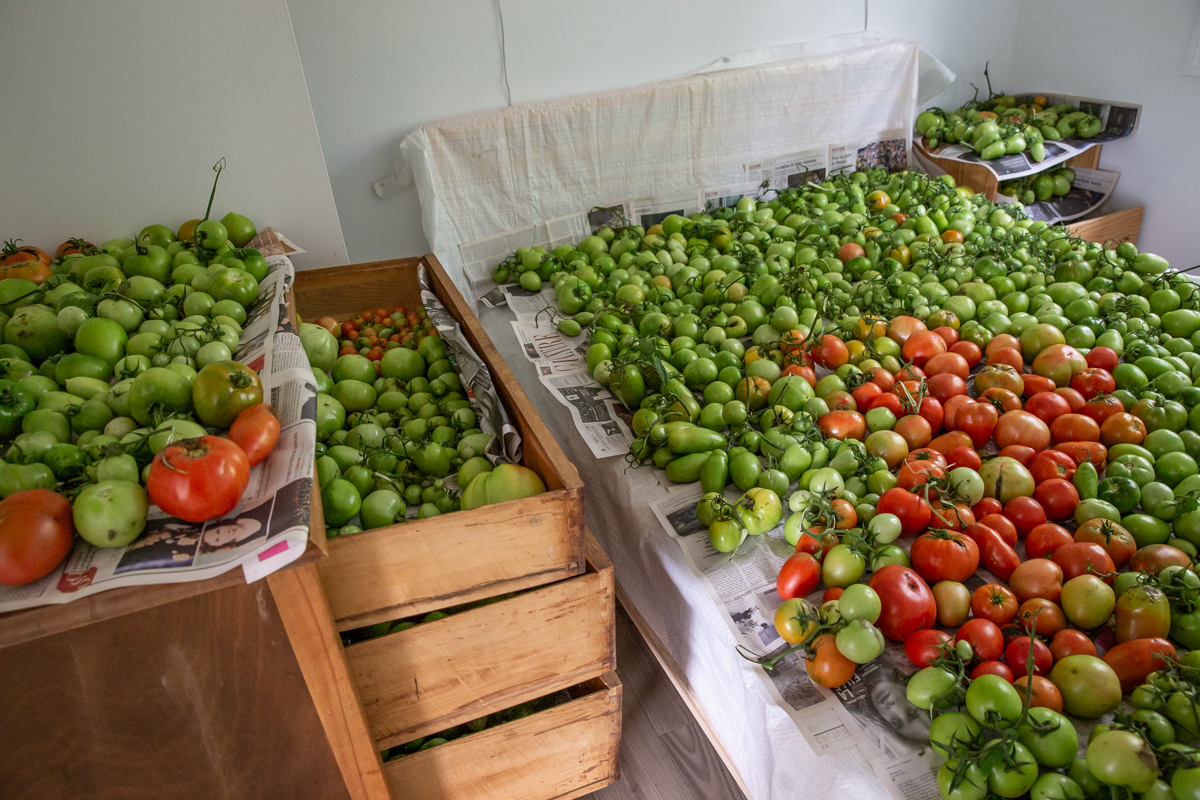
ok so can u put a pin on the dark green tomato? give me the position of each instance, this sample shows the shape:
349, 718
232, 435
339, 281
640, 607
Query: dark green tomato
340, 501
224, 389
15, 403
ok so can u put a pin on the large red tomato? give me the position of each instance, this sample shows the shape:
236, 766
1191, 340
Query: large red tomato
1048, 406
944, 556
36, 534
199, 479
913, 511
908, 603
1021, 427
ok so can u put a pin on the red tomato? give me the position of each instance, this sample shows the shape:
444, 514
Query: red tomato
1058, 497
948, 334
1002, 525
996, 555
965, 457
1073, 398
850, 250
1102, 358
1026, 513
1007, 355
1080, 558
948, 442
1070, 642
977, 421
1017, 652
1036, 384
923, 646
882, 378
948, 364
199, 479
798, 576
1018, 452
1037, 577
995, 602
988, 505
1085, 451
1052, 464
1000, 342
1021, 427
915, 431
1048, 406
1043, 540
985, 637
1045, 693
843, 425
992, 668
256, 431
931, 410
889, 401
832, 593
1002, 399
968, 350
952, 407
1091, 382
1074, 428
918, 473
830, 351
922, 346
864, 394
944, 556
945, 386
37, 531
913, 511
1101, 408
1116, 541
1134, 660
908, 603
923, 454
951, 516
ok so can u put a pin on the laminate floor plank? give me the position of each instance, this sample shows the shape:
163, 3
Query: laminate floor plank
643, 675
700, 765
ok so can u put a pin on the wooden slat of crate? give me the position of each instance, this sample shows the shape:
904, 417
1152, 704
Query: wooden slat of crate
474, 663
456, 558
560, 753
985, 182
1119, 226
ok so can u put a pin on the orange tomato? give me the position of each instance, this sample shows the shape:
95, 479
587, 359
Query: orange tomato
951, 363
1004, 340
1085, 451
1007, 355
922, 346
1074, 428
826, 665
842, 425
948, 442
1045, 617
948, 334
1002, 399
915, 431
1021, 427
1074, 398
1122, 428
952, 236
1045, 693
850, 250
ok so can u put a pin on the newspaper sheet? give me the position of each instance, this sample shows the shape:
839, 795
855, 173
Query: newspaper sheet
598, 416
552, 352
1090, 190
269, 527
1118, 121
525, 304
743, 587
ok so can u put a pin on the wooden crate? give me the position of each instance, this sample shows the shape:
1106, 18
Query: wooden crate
415, 567
471, 664
984, 181
1119, 226
563, 752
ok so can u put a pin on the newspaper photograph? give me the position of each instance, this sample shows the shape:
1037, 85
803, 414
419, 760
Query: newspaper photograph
598, 416
790, 171
269, 527
610, 215
552, 352
649, 211
1090, 190
1118, 120
727, 196
888, 149
743, 585
476, 377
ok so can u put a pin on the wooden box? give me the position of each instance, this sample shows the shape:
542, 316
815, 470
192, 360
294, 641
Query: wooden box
1119, 226
415, 567
439, 674
984, 181
560, 753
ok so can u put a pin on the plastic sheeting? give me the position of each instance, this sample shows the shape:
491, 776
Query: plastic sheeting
484, 174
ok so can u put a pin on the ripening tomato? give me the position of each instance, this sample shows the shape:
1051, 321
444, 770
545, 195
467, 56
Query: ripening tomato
1036, 384
913, 511
1051, 464
968, 350
1044, 694
1074, 399
965, 457
902, 327
1057, 497
1017, 652
832, 593
1006, 355
1101, 408
1091, 382
908, 603
1080, 558
1002, 399
948, 334
1021, 427
926, 454
985, 637
992, 668
1048, 406
840, 401
945, 386
256, 431
1085, 451
1102, 358
825, 664
923, 646
1001, 342
1044, 617
1043, 540
1025, 513
889, 401
1070, 642
1018, 452
1122, 428
948, 442
999, 375
977, 420
1002, 525
948, 364
1037, 577
882, 378
1074, 428
850, 250
1116, 541
830, 352
843, 425
915, 431
952, 407
921, 346
864, 394
37, 532
995, 602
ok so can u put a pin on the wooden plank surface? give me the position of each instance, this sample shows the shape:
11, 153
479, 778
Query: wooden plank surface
318, 651
197, 698
1119, 226
474, 663
559, 753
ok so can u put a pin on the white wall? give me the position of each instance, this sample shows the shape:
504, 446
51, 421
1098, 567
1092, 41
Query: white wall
377, 69
115, 112
1132, 52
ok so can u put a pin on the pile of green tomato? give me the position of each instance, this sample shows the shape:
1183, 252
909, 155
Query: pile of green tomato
104, 363
1043, 186
1005, 125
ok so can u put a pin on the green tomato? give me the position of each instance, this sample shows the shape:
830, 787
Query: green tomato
1050, 737
233, 284
158, 390
111, 513
340, 501
859, 601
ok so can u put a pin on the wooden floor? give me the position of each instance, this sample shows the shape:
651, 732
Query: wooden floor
664, 753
